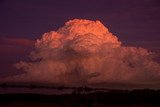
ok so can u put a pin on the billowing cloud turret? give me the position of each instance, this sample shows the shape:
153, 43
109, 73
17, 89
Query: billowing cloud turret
85, 52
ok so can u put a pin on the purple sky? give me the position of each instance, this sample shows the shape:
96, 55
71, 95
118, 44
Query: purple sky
134, 22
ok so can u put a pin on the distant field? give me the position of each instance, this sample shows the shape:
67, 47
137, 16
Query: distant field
21, 104
112, 98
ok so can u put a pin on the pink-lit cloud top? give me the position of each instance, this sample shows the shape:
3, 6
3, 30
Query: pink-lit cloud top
85, 52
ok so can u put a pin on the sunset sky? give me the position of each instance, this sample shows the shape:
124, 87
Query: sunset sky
134, 22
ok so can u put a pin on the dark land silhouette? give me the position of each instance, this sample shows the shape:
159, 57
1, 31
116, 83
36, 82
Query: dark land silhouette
81, 96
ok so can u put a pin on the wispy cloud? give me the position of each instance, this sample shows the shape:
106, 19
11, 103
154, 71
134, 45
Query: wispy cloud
15, 45
17, 41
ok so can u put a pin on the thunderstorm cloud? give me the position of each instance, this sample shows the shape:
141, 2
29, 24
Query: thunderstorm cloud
84, 52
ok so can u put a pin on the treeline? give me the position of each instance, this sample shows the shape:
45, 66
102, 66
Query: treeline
145, 96
85, 95
61, 88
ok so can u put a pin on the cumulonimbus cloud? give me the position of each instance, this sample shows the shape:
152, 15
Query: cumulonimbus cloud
85, 52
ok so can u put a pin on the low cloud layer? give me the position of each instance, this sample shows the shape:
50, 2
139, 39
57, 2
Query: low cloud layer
84, 52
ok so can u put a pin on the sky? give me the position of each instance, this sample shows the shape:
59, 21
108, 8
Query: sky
134, 22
